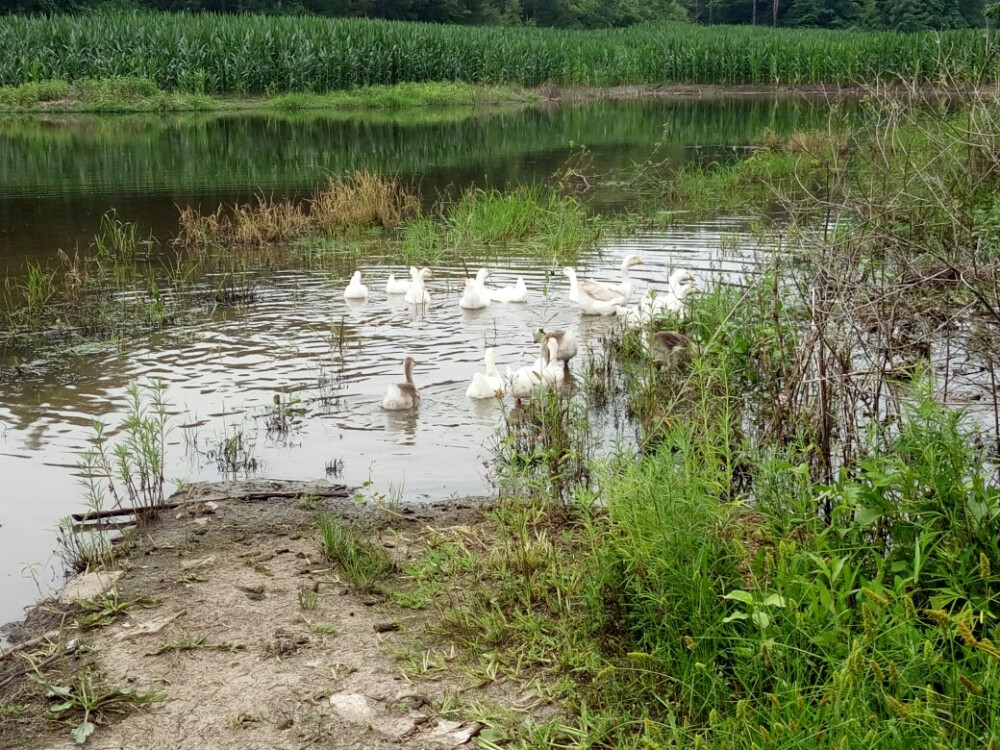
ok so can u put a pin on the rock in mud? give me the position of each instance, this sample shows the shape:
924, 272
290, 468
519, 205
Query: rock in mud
88, 586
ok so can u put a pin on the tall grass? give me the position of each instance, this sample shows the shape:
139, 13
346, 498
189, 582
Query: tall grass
265, 54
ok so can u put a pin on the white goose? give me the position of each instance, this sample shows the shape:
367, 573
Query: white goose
418, 294
545, 372
516, 293
356, 290
682, 284
476, 296
596, 298
574, 290
399, 396
399, 286
489, 385
552, 373
523, 380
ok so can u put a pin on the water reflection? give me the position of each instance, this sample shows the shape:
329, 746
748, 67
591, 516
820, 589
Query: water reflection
58, 175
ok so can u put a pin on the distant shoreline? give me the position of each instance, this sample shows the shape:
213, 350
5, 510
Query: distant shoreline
115, 96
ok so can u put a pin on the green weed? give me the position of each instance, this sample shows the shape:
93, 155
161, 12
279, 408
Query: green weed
363, 564
84, 701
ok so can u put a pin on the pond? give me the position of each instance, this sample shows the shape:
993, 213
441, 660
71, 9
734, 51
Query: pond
301, 340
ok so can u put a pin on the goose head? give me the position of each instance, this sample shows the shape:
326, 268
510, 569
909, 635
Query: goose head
569, 272
631, 260
423, 275
356, 278
482, 276
680, 278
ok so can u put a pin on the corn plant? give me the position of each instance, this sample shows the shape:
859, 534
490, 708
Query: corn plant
248, 54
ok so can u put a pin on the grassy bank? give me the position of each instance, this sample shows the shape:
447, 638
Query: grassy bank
802, 550
143, 95
265, 54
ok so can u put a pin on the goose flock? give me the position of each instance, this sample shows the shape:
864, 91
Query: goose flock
551, 368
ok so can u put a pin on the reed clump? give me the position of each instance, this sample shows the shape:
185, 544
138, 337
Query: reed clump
363, 199
264, 222
360, 199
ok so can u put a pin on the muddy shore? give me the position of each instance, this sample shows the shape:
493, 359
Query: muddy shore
228, 619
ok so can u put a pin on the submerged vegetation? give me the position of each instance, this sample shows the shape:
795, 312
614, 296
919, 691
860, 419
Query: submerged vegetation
250, 54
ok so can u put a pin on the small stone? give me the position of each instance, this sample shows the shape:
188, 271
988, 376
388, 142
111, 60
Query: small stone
200, 521
385, 627
396, 729
454, 733
353, 707
89, 586
201, 562
210, 507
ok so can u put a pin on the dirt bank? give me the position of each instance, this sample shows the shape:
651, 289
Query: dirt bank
242, 635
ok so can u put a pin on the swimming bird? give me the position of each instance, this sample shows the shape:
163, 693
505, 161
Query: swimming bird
566, 340
475, 296
516, 293
356, 290
552, 374
574, 289
600, 290
598, 298
399, 396
523, 380
489, 385
681, 284
418, 294
397, 286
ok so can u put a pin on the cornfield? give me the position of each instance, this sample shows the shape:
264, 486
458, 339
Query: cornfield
264, 54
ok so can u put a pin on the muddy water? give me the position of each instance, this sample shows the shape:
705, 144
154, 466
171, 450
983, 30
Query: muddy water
300, 339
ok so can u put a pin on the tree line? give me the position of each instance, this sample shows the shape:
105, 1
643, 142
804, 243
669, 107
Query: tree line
897, 15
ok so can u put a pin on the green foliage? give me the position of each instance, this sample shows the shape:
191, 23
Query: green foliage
259, 54
86, 699
363, 563
120, 94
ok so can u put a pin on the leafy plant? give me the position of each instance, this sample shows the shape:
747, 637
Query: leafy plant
85, 700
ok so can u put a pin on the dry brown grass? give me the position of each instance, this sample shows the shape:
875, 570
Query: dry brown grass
363, 199
816, 143
359, 199
263, 223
